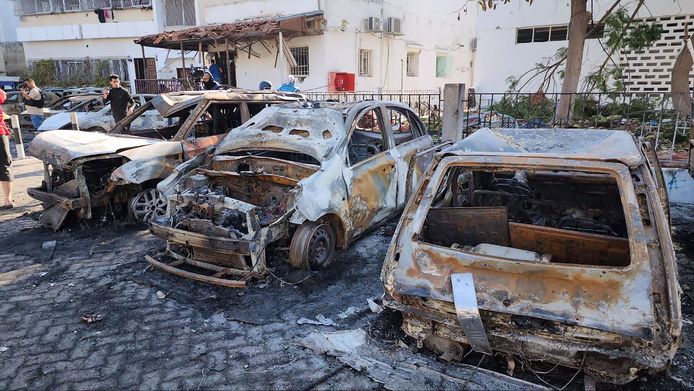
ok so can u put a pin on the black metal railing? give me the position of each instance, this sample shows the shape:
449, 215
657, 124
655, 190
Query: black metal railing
427, 104
651, 115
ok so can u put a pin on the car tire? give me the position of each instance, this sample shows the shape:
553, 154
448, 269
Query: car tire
312, 246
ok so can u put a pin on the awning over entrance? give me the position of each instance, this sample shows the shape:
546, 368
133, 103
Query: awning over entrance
248, 31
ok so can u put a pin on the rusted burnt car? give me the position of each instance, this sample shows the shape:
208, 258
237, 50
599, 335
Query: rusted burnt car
307, 178
541, 244
118, 172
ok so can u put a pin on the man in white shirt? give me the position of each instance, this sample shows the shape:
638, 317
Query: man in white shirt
34, 101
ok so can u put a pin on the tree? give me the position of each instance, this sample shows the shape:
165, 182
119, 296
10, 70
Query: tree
567, 63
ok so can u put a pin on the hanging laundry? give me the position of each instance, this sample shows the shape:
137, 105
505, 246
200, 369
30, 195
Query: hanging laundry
100, 14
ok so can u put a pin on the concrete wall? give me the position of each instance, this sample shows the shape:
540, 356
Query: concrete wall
11, 52
429, 30
498, 56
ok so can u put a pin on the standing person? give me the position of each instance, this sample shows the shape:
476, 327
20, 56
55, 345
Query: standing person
120, 99
215, 70
34, 101
209, 83
6, 177
289, 86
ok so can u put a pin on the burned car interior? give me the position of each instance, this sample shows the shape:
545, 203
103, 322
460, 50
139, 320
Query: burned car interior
538, 216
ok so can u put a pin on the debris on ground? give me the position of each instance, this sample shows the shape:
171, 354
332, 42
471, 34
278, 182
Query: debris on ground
375, 308
347, 313
321, 320
406, 370
92, 318
49, 248
161, 295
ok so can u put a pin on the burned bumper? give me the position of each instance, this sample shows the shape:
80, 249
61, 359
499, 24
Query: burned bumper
216, 260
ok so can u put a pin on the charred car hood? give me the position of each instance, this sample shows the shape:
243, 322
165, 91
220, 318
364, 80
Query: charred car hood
60, 147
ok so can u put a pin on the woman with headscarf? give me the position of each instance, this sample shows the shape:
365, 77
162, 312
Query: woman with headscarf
6, 177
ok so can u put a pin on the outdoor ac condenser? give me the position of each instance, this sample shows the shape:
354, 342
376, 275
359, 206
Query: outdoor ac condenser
393, 26
372, 24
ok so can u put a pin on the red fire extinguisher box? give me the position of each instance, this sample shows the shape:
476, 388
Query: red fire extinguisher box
340, 82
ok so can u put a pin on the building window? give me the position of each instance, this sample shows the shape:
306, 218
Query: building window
179, 13
412, 64
36, 7
559, 33
553, 33
443, 65
365, 62
300, 55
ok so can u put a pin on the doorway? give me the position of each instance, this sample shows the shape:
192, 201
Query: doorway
145, 69
228, 73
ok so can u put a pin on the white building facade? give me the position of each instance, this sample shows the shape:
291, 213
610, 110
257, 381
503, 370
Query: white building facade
11, 51
386, 45
511, 39
82, 36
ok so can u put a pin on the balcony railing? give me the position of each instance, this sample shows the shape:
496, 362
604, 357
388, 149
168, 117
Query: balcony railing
38, 7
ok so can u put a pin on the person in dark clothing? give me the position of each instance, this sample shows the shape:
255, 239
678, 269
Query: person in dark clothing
120, 99
209, 83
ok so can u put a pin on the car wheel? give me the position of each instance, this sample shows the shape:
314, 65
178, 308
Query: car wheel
313, 246
147, 206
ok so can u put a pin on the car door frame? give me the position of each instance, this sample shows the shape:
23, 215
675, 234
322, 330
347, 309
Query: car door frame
405, 152
372, 182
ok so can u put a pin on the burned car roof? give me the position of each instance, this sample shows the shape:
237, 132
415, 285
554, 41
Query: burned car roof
313, 131
581, 144
171, 103
59, 147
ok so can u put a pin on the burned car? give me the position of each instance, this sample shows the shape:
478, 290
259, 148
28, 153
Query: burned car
543, 245
117, 173
310, 178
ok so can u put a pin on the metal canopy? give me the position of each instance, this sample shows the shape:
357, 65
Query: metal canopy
247, 30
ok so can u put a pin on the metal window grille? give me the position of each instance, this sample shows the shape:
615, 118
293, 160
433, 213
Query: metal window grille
412, 64
301, 56
180, 13
364, 62
36, 7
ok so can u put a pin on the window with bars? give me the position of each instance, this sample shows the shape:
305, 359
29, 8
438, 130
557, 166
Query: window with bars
364, 62
35, 7
301, 56
179, 13
412, 64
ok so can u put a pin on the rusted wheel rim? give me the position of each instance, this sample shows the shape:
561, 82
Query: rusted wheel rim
147, 205
313, 246
321, 246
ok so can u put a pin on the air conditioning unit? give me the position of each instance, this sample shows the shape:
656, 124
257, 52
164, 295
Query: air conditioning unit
473, 44
372, 24
393, 26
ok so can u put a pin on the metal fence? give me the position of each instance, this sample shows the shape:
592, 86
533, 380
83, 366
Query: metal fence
36, 7
426, 103
649, 115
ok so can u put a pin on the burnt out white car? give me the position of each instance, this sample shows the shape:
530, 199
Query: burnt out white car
311, 178
543, 245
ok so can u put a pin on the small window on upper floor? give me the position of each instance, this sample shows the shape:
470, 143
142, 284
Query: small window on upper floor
524, 35
179, 13
559, 33
541, 34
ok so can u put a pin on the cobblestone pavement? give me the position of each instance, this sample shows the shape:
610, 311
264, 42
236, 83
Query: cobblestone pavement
160, 331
